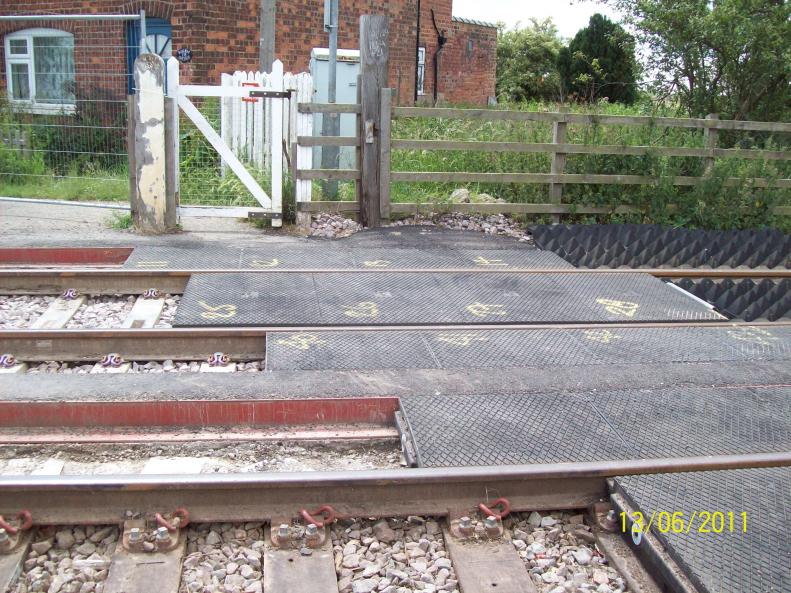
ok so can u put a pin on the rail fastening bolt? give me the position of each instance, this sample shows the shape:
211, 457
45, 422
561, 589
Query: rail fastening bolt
5, 541
311, 533
283, 533
135, 536
162, 535
465, 526
491, 526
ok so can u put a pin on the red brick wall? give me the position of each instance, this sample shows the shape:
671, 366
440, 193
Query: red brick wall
468, 64
223, 36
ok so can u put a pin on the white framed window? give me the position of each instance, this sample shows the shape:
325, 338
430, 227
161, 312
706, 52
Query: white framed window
421, 69
39, 67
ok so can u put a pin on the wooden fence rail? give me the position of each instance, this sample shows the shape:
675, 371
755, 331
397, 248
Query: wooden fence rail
374, 175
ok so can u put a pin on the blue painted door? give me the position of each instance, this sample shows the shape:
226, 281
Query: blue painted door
159, 40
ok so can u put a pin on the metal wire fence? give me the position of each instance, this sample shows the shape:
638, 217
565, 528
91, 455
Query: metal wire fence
63, 112
203, 178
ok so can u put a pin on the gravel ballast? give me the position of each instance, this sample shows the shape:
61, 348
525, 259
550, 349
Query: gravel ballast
102, 312
17, 312
335, 226
392, 556
202, 457
223, 558
560, 554
68, 560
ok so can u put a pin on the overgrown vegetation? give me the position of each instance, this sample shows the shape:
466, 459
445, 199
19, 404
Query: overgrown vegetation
120, 221
713, 204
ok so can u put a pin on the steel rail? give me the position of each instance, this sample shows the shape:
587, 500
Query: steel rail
136, 280
261, 496
249, 343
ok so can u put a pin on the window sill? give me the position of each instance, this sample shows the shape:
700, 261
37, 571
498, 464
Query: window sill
43, 108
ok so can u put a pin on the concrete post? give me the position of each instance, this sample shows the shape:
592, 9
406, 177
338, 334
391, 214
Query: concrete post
150, 198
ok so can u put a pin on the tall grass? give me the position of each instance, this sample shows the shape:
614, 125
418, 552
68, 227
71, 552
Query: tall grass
711, 204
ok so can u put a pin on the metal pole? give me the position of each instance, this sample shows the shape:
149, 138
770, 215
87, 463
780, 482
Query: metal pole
142, 31
330, 124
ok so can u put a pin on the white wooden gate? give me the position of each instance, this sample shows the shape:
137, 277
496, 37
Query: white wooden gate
272, 203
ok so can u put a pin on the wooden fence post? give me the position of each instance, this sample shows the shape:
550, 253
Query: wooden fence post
384, 152
374, 54
710, 137
149, 151
172, 144
558, 165
130, 150
276, 161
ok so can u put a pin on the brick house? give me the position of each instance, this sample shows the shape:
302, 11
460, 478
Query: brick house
51, 62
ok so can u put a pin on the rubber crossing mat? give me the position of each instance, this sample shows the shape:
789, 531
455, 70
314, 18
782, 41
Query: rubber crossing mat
738, 539
327, 256
654, 246
501, 429
744, 299
380, 298
500, 348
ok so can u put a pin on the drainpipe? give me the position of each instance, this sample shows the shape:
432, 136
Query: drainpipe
441, 41
417, 50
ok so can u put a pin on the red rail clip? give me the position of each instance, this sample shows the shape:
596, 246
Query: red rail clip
25, 523
327, 513
181, 514
503, 503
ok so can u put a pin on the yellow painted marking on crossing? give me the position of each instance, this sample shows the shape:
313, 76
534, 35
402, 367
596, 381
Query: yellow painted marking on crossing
151, 264
482, 261
260, 263
461, 339
604, 336
217, 311
624, 308
376, 263
302, 341
486, 310
362, 309
754, 335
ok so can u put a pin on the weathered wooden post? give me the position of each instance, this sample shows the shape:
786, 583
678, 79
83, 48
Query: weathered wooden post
558, 164
374, 53
710, 137
149, 202
172, 144
384, 152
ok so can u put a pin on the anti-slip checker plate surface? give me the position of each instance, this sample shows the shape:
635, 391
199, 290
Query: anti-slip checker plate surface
381, 298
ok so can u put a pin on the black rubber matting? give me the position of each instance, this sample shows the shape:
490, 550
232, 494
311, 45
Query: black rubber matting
744, 299
755, 560
501, 348
320, 256
559, 427
380, 298
654, 246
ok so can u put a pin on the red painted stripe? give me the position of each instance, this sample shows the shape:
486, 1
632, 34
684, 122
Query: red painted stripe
374, 410
64, 255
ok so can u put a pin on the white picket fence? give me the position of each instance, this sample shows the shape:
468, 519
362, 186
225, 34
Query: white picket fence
246, 129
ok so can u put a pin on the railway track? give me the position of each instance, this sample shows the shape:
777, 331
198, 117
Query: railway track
544, 527
136, 338
146, 542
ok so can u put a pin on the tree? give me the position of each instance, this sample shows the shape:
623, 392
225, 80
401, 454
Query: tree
526, 62
731, 57
599, 62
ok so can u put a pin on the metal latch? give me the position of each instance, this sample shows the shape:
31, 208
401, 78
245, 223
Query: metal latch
271, 94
